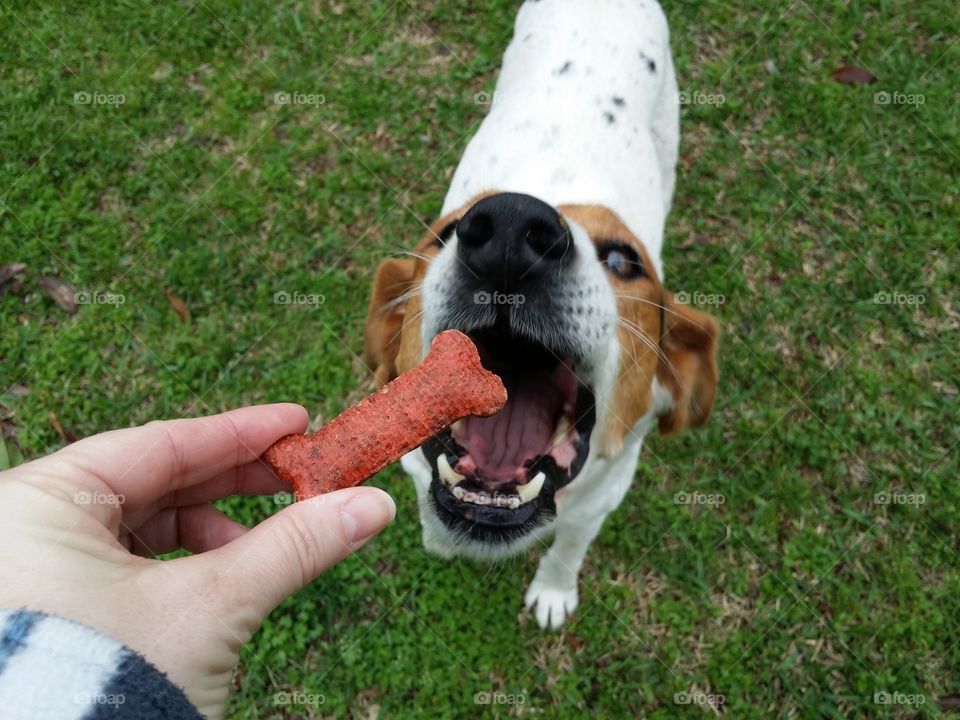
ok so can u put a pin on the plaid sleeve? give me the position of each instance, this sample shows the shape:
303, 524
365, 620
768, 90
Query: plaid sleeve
55, 668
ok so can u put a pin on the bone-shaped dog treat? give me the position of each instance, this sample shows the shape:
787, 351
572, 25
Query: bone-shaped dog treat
448, 385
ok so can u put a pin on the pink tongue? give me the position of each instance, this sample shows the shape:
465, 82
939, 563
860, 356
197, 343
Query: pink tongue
500, 444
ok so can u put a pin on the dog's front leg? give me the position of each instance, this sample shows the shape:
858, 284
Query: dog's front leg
552, 596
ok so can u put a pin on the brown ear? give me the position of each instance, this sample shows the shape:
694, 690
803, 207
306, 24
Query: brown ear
690, 344
385, 317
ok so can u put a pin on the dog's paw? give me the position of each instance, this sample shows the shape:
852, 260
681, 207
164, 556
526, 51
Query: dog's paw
551, 605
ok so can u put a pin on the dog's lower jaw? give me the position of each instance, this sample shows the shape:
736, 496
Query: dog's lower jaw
552, 596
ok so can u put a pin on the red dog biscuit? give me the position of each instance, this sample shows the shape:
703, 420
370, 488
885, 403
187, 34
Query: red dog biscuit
448, 385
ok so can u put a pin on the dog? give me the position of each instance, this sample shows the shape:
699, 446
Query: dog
547, 255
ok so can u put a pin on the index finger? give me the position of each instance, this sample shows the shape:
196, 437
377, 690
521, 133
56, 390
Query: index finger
145, 463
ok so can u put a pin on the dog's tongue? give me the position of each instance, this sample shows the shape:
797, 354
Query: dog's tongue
522, 430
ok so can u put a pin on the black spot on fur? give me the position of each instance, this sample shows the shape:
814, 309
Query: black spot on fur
651, 63
609, 117
619, 101
564, 69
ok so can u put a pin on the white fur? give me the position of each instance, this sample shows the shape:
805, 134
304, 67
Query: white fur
548, 134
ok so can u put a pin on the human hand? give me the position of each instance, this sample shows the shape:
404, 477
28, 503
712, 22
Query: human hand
73, 527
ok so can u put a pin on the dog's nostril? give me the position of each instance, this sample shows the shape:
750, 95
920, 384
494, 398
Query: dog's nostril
546, 241
512, 237
475, 229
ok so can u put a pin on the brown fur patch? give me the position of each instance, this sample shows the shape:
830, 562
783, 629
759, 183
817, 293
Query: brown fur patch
676, 345
638, 302
392, 330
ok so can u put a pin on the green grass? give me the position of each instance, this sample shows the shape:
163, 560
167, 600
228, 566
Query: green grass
798, 200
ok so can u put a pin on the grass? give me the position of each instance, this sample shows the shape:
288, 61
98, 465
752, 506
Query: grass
798, 200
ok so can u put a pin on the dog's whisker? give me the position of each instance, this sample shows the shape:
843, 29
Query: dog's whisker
400, 330
645, 338
400, 299
659, 305
414, 254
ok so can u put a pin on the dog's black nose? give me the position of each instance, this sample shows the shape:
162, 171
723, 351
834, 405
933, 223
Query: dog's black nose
510, 236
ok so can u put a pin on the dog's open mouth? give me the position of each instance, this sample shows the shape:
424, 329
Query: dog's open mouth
502, 469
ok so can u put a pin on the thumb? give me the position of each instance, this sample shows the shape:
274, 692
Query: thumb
288, 550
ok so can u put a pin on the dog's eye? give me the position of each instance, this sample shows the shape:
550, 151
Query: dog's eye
621, 260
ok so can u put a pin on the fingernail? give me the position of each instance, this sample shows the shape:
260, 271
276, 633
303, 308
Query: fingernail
366, 513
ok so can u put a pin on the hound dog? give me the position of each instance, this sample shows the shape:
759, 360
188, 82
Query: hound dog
547, 254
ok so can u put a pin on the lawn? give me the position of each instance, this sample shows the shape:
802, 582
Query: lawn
215, 158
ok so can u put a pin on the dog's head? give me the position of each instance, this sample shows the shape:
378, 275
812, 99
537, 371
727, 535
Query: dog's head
565, 305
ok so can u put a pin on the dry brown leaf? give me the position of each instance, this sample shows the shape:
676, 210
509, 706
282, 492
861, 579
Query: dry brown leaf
62, 293
949, 702
8, 271
853, 75
178, 305
65, 435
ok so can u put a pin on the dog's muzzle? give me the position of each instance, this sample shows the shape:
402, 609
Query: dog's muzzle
495, 478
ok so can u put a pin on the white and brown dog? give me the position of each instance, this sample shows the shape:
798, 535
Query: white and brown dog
547, 254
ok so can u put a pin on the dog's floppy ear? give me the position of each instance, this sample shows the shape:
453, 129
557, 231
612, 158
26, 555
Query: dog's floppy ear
385, 317
690, 345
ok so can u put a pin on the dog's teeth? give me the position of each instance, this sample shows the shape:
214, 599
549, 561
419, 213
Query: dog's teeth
470, 497
458, 493
483, 498
529, 491
513, 502
560, 434
448, 475
457, 426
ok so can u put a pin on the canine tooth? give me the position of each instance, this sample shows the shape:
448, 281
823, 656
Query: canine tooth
448, 475
458, 492
560, 434
529, 491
